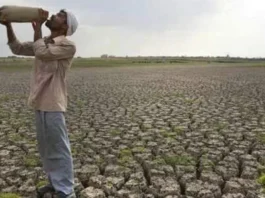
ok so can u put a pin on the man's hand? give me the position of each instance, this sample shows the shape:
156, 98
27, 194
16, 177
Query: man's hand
38, 24
5, 23
37, 30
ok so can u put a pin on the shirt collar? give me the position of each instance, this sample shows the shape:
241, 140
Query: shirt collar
58, 39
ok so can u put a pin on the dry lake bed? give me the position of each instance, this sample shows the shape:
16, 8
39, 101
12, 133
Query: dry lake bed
146, 132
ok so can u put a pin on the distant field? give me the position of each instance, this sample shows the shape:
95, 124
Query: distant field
14, 64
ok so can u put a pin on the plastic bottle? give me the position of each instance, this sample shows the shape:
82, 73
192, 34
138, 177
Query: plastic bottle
21, 14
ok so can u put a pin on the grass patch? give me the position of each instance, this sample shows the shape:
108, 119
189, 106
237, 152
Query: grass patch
9, 195
80, 103
42, 183
261, 138
159, 161
209, 163
115, 132
220, 126
261, 169
138, 149
179, 95
109, 184
125, 157
74, 151
31, 161
125, 152
178, 130
178, 160
15, 137
5, 98
99, 160
8, 97
125, 160
32, 142
168, 134
189, 101
172, 134
261, 180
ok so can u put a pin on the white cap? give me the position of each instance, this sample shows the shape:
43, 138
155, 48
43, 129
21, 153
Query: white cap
71, 22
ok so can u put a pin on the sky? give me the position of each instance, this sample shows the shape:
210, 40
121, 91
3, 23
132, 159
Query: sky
156, 27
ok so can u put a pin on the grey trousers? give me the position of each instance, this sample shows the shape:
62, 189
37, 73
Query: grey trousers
54, 149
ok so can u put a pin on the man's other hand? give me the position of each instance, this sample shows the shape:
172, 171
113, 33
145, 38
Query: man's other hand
6, 23
38, 23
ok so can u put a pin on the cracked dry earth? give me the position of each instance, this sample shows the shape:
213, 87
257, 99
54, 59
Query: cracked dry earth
146, 132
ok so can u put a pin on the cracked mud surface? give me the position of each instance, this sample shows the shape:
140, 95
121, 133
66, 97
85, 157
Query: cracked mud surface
146, 132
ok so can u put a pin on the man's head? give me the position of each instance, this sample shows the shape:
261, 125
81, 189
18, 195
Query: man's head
63, 22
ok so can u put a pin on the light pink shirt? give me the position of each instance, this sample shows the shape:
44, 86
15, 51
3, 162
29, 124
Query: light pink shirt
48, 90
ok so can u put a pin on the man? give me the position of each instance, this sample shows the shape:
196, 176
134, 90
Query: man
48, 96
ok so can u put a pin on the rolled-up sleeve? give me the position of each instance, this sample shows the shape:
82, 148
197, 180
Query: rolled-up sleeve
53, 51
22, 49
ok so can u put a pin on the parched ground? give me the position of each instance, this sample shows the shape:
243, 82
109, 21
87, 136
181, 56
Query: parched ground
148, 132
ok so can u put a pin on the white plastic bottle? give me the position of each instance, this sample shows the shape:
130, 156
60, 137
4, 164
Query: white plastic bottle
21, 14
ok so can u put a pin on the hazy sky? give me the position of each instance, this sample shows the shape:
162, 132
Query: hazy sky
157, 27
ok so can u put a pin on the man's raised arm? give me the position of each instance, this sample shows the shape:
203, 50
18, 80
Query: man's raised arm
18, 48
23, 49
